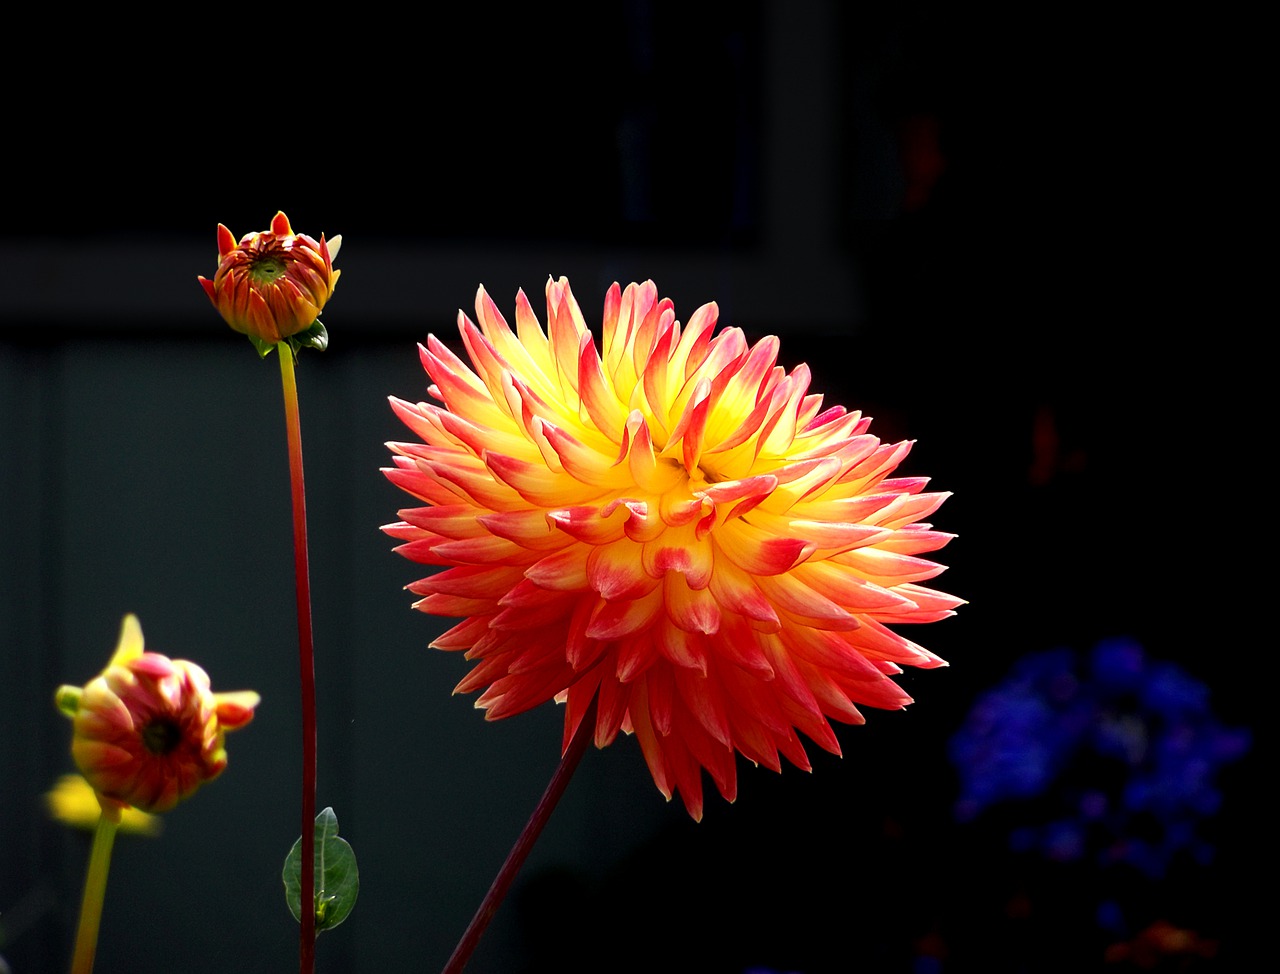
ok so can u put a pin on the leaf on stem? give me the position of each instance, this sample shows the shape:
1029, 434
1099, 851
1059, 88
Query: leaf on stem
337, 880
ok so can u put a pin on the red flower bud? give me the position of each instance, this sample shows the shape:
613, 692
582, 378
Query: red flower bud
272, 284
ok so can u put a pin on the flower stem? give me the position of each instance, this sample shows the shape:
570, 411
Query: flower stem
95, 891
306, 662
524, 843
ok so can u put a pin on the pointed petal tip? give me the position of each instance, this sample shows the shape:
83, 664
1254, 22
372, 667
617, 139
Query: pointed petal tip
226, 241
235, 708
131, 644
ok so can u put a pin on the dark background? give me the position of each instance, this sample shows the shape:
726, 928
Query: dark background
994, 234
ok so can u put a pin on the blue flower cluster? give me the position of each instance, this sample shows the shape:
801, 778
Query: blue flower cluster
1111, 756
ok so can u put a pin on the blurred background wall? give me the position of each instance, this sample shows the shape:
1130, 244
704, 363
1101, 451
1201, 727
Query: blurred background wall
962, 222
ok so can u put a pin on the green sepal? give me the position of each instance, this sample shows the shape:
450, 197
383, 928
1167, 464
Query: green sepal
337, 880
67, 699
263, 346
314, 337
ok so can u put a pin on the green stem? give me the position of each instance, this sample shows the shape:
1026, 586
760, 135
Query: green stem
306, 663
524, 843
95, 891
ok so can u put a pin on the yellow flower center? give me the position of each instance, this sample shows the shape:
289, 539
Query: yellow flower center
264, 270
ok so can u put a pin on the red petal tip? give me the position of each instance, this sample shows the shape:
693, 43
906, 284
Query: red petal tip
226, 242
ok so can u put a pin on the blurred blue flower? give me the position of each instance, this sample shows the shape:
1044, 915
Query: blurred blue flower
1112, 756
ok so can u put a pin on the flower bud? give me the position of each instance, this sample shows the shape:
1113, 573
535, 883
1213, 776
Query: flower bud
148, 731
272, 284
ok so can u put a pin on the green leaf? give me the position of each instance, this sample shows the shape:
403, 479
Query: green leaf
337, 881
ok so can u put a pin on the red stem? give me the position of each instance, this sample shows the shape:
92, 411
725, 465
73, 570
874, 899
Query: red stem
306, 664
524, 843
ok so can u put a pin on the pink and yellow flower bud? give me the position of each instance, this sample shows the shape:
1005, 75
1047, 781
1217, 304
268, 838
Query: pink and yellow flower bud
148, 730
272, 284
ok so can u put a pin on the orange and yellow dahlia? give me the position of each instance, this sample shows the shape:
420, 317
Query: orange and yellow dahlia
673, 525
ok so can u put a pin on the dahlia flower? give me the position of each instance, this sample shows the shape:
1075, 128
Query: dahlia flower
148, 731
272, 284
671, 524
